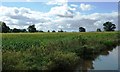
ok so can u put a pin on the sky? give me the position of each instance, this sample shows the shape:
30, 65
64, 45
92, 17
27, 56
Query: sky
54, 15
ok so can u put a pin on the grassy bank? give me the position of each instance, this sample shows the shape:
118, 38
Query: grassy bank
52, 51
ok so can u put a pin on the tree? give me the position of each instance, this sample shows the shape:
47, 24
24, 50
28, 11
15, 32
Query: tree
109, 26
53, 31
15, 30
98, 30
60, 30
81, 29
32, 28
48, 30
40, 31
4, 28
23, 30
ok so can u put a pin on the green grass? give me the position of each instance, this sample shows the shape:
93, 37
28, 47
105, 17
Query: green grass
50, 51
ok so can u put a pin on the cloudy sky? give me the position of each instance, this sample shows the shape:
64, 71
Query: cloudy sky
54, 15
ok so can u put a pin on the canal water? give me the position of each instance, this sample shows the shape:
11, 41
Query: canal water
107, 60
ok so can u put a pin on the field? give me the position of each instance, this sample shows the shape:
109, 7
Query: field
52, 51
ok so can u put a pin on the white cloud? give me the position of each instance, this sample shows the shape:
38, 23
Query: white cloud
85, 7
23, 17
87, 21
56, 2
28, 0
73, 5
62, 11
59, 9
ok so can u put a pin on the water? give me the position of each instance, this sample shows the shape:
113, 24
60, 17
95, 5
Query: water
107, 60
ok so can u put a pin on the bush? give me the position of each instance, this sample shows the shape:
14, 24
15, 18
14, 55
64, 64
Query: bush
64, 61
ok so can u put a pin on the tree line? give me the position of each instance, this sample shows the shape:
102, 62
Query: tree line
107, 26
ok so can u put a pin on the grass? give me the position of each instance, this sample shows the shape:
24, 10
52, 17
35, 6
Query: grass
52, 51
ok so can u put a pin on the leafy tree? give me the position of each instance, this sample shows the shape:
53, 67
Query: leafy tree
48, 30
23, 30
32, 28
15, 30
98, 30
109, 26
53, 31
4, 28
81, 29
40, 31
60, 30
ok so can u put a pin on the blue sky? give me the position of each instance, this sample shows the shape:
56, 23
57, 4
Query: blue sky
59, 15
38, 6
101, 7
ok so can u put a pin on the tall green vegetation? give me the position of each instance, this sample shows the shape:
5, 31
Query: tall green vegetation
52, 51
